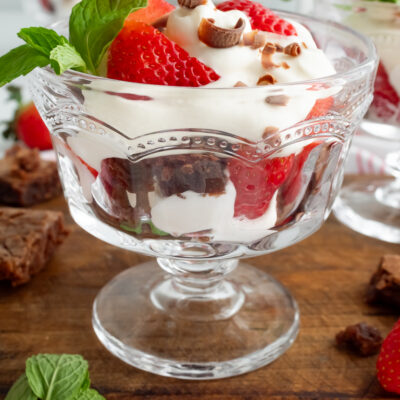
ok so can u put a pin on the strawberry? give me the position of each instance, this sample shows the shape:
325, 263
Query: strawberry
292, 187
386, 100
321, 108
142, 54
261, 18
154, 10
388, 364
256, 184
27, 125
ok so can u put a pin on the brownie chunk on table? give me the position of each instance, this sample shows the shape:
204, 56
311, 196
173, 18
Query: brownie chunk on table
28, 239
361, 338
384, 286
25, 179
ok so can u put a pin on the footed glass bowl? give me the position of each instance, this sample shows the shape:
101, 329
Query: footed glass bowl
200, 178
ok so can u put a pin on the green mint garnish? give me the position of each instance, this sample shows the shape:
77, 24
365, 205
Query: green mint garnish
54, 377
21, 390
93, 25
139, 229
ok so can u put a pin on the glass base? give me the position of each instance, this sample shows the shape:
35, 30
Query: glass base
135, 325
371, 208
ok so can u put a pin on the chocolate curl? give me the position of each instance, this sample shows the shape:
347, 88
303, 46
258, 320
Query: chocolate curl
161, 23
191, 3
240, 84
293, 50
266, 56
267, 79
278, 100
269, 130
215, 36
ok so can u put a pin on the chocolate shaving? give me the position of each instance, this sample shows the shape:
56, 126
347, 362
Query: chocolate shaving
191, 3
293, 50
285, 65
248, 38
269, 130
279, 48
215, 36
304, 45
278, 100
240, 84
266, 56
266, 79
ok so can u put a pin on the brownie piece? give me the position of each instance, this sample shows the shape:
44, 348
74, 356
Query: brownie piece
384, 286
28, 238
25, 179
197, 172
361, 338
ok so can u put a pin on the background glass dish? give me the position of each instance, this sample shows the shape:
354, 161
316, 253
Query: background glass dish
116, 142
373, 207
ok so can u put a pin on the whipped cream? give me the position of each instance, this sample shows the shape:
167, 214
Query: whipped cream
195, 212
242, 63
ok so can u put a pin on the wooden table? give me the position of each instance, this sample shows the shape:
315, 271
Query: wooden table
327, 273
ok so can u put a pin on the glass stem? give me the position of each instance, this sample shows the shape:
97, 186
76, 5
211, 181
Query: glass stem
197, 290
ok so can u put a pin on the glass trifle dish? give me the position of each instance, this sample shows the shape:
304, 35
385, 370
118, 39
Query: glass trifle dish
372, 207
210, 134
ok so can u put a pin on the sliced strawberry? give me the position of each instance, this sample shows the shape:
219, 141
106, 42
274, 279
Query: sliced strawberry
31, 129
260, 17
321, 108
386, 100
292, 187
142, 54
256, 184
154, 10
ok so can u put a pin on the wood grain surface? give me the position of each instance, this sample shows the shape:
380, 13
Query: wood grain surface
327, 273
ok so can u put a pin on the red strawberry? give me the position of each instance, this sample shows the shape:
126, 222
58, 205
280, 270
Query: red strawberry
256, 184
260, 17
386, 100
31, 129
388, 364
154, 10
142, 54
321, 108
292, 187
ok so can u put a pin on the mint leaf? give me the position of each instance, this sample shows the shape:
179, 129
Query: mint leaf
54, 376
157, 231
86, 383
20, 61
137, 229
21, 390
64, 57
89, 394
42, 39
94, 24
14, 94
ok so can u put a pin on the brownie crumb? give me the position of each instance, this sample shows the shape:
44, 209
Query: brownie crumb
25, 179
384, 286
361, 338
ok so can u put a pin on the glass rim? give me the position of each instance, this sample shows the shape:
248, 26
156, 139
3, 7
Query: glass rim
370, 62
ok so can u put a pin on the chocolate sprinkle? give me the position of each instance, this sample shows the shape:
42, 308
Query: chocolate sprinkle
269, 130
278, 100
266, 79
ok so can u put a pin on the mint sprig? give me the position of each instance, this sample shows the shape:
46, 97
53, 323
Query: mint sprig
93, 25
54, 377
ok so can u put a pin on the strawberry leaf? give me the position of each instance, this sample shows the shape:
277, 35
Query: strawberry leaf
20, 61
94, 24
